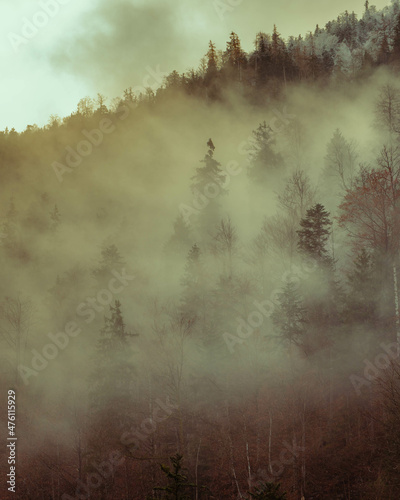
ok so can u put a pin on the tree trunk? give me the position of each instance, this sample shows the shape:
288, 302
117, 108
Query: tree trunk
196, 471
396, 304
231, 450
270, 443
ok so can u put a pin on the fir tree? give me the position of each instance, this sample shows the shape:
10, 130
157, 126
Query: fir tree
235, 58
209, 173
396, 41
268, 491
177, 479
110, 389
323, 301
384, 51
207, 186
315, 233
261, 58
111, 260
212, 61
264, 161
278, 55
181, 239
289, 317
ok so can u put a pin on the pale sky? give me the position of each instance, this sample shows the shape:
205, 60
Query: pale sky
90, 46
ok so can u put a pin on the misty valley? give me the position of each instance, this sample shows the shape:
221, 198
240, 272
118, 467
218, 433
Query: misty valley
200, 279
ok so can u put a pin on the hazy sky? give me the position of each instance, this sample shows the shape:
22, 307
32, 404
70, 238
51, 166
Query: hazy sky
90, 46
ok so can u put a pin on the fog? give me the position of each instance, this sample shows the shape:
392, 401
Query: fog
158, 253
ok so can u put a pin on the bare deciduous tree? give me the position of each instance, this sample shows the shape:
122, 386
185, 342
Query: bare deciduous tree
341, 160
387, 109
225, 242
298, 195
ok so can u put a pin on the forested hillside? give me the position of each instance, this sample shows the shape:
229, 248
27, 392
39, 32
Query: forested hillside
199, 293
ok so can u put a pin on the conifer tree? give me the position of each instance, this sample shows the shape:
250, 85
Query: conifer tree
181, 239
289, 317
235, 58
212, 61
278, 52
210, 172
207, 186
111, 260
114, 372
264, 161
396, 42
261, 58
384, 51
268, 491
323, 301
314, 235
178, 482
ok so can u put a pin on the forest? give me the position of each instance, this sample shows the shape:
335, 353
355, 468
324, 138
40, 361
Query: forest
200, 282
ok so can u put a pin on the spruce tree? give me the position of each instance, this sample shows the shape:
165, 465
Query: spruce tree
210, 172
324, 299
114, 371
264, 161
235, 58
278, 55
207, 187
384, 50
396, 42
289, 317
261, 58
314, 235
268, 491
181, 239
111, 260
178, 482
212, 66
